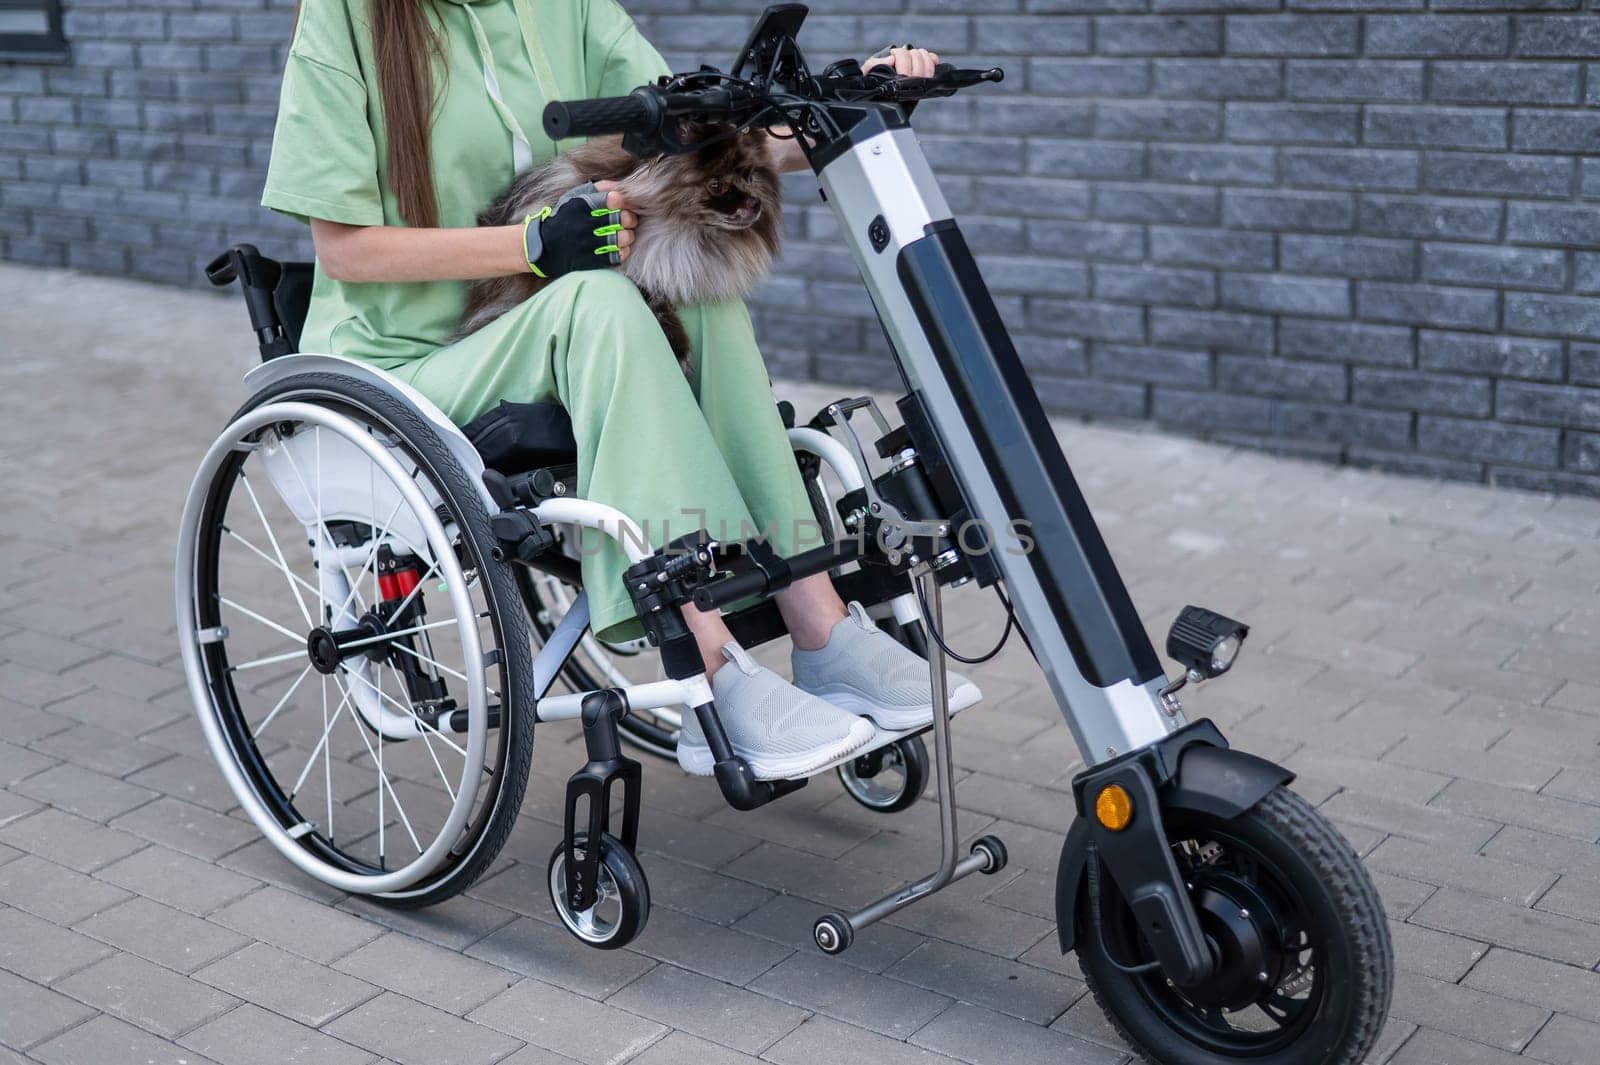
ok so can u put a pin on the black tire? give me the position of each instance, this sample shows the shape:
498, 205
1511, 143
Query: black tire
1302, 866
502, 792
908, 756
627, 879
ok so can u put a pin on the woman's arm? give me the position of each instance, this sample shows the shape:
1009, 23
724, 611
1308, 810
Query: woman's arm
399, 253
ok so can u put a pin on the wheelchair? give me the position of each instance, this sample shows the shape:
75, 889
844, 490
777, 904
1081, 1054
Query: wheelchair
376, 589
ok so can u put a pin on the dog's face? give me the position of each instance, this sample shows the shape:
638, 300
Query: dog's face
729, 184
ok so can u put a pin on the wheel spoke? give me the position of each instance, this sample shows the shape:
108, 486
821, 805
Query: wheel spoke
441, 667
428, 742
404, 709
272, 538
295, 577
386, 786
372, 556
270, 660
397, 633
322, 744
268, 622
327, 762
284, 702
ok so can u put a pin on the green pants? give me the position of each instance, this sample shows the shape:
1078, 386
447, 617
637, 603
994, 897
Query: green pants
675, 454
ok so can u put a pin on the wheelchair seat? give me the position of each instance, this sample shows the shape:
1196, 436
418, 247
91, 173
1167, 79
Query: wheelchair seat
511, 437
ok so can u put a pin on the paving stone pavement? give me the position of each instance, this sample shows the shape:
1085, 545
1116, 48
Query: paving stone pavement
1422, 654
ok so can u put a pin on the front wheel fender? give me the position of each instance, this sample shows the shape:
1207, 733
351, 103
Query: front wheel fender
1219, 781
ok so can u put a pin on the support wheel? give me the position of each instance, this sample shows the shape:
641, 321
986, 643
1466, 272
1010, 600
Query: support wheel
994, 853
622, 905
1305, 967
889, 779
833, 934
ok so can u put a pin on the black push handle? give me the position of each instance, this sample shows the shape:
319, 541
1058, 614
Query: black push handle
639, 112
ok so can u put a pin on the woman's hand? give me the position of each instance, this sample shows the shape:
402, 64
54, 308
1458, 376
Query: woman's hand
907, 62
630, 221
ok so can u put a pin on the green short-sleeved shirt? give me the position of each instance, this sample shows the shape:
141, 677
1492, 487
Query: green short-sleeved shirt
328, 151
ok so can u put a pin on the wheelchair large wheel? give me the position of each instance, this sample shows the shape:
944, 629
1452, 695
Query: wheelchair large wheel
358, 661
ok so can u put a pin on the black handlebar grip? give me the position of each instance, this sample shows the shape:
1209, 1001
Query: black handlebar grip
731, 589
638, 112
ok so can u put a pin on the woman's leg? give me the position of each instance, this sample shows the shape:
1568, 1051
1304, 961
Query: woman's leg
735, 394
644, 447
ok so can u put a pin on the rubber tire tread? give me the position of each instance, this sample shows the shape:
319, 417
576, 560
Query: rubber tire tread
467, 502
1302, 828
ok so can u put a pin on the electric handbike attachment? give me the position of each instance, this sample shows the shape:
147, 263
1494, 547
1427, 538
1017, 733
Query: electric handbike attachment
1217, 916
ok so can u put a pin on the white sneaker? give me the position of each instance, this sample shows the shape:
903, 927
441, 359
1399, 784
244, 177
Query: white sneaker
778, 729
866, 671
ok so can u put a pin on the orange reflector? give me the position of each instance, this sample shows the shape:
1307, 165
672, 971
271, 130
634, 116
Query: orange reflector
1113, 808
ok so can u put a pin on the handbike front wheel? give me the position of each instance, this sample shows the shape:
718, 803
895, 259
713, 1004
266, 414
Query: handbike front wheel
1305, 966
356, 657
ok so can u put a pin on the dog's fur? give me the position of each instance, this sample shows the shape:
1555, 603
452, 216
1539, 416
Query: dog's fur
709, 223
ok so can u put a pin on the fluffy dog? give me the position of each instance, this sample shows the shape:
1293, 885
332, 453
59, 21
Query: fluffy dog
709, 223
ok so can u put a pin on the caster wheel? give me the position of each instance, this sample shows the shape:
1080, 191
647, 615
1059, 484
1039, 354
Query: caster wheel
994, 851
622, 903
833, 934
889, 779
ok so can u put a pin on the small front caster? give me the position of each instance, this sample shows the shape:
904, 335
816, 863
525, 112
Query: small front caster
833, 933
994, 853
889, 779
621, 895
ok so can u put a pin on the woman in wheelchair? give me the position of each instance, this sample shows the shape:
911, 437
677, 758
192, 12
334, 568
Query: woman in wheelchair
400, 121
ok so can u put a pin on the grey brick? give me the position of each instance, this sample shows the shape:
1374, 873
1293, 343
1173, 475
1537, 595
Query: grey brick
296, 924
1293, 123
1433, 305
1565, 1039
1141, 35
1558, 224
1355, 257
1581, 451
54, 892
1085, 158
1475, 264
1317, 212
1346, 169
1585, 365
1438, 35
1586, 272
1342, 424
1097, 240
1489, 442
1213, 163
1503, 82
251, 1036
161, 934
1211, 410
727, 1015
1504, 175
34, 1013
1082, 77
1157, 120
1210, 247
1407, 390
1464, 1011
1557, 35
1293, 35
1543, 131
1530, 931
40, 951
1152, 284
1020, 34
1280, 293
1153, 365
1148, 202
1218, 79
1364, 80
1576, 408
1499, 356
1573, 316
1436, 127
1415, 216
1354, 342
1280, 378
1021, 273
1027, 116
821, 1041
1099, 399
1211, 329
1552, 985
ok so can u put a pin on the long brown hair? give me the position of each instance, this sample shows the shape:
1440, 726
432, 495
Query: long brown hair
405, 42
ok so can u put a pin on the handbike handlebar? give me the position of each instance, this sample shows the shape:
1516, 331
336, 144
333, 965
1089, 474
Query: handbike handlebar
638, 112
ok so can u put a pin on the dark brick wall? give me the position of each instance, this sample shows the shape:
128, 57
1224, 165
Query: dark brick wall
1361, 230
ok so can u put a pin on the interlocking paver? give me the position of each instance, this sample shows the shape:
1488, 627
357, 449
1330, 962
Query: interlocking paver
34, 1013
250, 1035
827, 986
568, 1024
1421, 657
161, 934
147, 995
285, 983
413, 1033
426, 972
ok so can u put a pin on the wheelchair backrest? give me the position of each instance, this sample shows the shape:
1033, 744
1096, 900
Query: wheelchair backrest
276, 294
